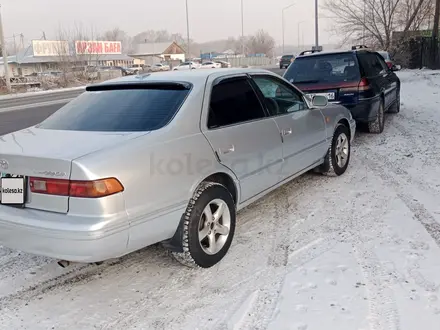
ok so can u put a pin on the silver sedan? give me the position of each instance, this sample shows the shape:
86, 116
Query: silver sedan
169, 157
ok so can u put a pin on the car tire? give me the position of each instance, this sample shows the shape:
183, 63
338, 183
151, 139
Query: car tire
396, 106
201, 245
335, 164
376, 126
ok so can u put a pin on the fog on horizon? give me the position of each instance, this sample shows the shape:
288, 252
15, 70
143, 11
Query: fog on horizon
218, 21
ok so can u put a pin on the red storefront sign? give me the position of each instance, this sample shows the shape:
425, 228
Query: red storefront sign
97, 47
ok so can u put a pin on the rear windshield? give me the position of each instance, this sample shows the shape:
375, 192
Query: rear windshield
323, 68
123, 110
287, 57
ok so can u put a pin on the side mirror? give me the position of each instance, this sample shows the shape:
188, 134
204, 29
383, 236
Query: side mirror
319, 101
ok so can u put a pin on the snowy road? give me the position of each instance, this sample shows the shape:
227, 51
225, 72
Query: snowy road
351, 253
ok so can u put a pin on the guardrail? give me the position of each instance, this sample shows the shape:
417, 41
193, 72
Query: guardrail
36, 99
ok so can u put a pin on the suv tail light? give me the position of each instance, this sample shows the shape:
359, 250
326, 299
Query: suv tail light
73, 188
363, 85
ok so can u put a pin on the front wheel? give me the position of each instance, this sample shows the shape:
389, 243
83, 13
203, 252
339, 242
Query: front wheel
208, 226
338, 155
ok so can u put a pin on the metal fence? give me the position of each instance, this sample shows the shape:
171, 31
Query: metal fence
246, 61
419, 52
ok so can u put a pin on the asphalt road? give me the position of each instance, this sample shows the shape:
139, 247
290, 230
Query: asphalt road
12, 121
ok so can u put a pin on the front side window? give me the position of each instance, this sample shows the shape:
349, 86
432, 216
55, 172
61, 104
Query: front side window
279, 97
233, 101
118, 110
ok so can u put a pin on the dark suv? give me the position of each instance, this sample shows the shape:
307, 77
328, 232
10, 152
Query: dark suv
358, 79
286, 60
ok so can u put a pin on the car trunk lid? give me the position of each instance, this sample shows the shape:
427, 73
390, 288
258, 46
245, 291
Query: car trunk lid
44, 153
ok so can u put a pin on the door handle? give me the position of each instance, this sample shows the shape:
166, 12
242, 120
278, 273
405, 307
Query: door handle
228, 150
286, 132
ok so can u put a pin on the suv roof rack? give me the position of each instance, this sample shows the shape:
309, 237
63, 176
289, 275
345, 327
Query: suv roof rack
356, 47
311, 51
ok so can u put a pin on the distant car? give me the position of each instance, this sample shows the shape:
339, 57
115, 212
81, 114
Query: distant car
224, 64
389, 61
286, 60
359, 79
187, 66
211, 65
159, 67
167, 158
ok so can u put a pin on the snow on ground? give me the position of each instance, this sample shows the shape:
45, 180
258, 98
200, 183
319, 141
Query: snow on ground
356, 252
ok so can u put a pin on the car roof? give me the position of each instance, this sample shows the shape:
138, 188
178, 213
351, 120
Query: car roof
191, 76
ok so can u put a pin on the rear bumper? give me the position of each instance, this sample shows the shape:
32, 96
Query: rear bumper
62, 236
365, 110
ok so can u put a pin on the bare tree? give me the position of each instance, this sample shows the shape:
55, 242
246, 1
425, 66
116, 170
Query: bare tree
261, 43
374, 21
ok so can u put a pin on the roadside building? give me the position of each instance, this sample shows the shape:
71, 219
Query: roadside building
44, 55
152, 53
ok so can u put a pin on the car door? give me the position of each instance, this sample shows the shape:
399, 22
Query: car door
303, 130
241, 134
390, 83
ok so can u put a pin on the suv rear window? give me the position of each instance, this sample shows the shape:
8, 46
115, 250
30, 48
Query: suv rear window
118, 110
287, 57
324, 68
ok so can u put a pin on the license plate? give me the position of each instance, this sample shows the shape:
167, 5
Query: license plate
329, 96
12, 191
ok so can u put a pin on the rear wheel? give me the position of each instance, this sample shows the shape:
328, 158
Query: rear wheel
396, 106
377, 125
338, 155
208, 226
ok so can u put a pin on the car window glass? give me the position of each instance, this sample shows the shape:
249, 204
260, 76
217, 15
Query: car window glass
371, 64
233, 101
118, 110
278, 97
323, 68
382, 63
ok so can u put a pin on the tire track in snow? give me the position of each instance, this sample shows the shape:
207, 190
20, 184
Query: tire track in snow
383, 308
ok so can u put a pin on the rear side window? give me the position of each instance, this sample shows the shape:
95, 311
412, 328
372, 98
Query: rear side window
233, 101
333, 68
370, 63
122, 110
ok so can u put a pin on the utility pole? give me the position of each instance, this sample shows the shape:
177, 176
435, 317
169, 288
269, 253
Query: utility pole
299, 24
316, 25
187, 29
242, 28
435, 45
363, 28
282, 15
5, 55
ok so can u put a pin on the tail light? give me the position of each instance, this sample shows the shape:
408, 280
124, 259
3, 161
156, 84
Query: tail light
73, 188
363, 85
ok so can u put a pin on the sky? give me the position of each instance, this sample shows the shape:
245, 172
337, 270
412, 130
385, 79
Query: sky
218, 20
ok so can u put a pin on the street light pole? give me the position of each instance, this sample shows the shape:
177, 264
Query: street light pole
316, 25
187, 28
299, 24
5, 56
282, 13
242, 28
